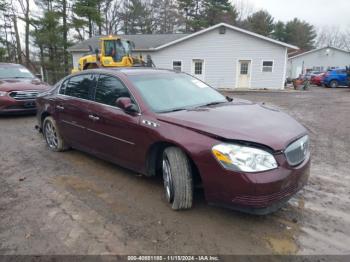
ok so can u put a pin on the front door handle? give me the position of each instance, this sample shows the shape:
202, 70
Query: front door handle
94, 118
60, 107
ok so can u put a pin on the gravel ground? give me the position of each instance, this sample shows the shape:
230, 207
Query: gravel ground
73, 203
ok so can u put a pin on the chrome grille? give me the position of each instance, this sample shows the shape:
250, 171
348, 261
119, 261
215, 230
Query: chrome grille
24, 95
297, 151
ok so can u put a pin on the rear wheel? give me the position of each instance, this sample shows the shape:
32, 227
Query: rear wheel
177, 177
334, 84
52, 136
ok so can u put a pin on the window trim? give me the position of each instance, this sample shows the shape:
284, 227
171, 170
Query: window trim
68, 78
172, 63
272, 67
201, 76
123, 83
116, 77
139, 113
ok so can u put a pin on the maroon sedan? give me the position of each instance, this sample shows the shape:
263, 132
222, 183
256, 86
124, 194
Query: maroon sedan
18, 89
246, 156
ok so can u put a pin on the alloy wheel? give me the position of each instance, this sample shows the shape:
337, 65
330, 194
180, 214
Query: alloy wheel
51, 135
168, 180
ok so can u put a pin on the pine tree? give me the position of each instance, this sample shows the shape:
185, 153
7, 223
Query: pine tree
301, 34
165, 16
48, 36
193, 13
260, 22
136, 17
217, 11
279, 32
87, 14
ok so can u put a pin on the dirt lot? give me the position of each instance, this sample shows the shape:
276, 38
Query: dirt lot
73, 203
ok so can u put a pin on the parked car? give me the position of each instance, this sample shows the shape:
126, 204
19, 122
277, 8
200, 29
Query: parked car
18, 89
310, 74
336, 77
247, 156
317, 79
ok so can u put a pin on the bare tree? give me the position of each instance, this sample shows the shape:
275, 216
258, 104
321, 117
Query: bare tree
333, 36
18, 40
25, 7
244, 8
112, 18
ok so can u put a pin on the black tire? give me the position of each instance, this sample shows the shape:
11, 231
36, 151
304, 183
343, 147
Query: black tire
177, 173
333, 84
52, 136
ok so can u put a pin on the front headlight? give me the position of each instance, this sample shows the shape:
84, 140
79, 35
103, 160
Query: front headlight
244, 158
2, 93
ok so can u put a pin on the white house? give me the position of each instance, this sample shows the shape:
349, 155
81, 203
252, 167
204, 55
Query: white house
319, 59
224, 56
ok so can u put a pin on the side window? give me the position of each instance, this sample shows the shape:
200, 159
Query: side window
109, 89
63, 87
81, 86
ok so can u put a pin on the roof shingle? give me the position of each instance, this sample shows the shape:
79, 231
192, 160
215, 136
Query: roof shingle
142, 42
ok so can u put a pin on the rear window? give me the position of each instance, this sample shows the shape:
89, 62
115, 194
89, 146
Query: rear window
80, 86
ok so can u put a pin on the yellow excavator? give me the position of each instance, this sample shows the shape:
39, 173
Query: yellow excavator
113, 51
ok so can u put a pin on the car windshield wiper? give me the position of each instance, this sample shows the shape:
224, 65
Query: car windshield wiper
173, 110
213, 103
20, 77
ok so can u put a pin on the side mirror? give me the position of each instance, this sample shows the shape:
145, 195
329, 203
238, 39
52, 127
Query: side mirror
126, 104
39, 76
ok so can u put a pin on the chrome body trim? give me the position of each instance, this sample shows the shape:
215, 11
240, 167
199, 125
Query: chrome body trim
97, 132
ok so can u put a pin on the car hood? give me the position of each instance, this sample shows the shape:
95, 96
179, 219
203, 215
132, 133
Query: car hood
8, 85
240, 120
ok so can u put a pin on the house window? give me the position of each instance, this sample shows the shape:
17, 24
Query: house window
267, 66
318, 68
177, 65
244, 68
198, 67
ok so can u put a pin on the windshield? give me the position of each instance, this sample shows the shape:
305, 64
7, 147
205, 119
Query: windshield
166, 92
117, 49
15, 72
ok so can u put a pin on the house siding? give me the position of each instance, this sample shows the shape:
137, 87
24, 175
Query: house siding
335, 58
221, 53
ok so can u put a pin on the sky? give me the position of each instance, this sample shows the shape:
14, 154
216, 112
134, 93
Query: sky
329, 13
320, 13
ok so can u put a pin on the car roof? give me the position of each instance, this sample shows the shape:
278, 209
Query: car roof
10, 64
129, 71
337, 69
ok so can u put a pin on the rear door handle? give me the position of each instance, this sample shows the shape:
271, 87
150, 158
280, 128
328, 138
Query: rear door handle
60, 107
94, 118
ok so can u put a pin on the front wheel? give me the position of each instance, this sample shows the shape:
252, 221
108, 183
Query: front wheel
52, 136
177, 177
334, 84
